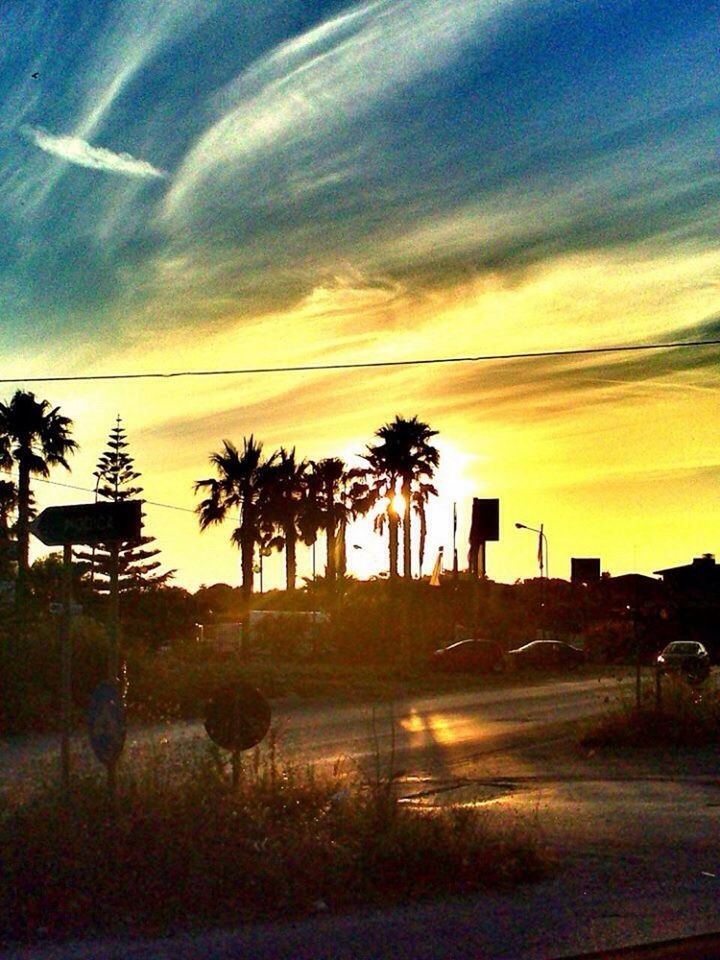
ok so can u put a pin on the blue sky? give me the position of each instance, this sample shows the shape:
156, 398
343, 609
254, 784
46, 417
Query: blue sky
211, 184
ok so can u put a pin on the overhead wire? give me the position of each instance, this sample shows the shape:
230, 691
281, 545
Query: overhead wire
365, 364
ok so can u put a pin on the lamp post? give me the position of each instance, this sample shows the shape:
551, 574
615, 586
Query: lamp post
543, 555
543, 560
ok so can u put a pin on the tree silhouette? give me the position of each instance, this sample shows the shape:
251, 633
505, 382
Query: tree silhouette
286, 500
242, 484
332, 504
116, 477
35, 437
8, 513
401, 462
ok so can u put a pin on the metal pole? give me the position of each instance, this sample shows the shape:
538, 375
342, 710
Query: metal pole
66, 669
454, 543
114, 652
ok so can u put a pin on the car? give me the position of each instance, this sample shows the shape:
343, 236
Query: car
471, 656
686, 657
547, 654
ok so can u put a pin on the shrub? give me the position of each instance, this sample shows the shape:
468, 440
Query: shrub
685, 716
182, 846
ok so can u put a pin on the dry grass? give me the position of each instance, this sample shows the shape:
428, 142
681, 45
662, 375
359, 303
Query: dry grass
686, 716
185, 848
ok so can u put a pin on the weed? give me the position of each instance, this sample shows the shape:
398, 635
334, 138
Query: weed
184, 847
685, 716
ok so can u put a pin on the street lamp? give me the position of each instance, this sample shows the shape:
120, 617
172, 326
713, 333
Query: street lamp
543, 558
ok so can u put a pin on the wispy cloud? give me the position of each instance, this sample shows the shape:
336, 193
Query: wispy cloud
308, 88
79, 151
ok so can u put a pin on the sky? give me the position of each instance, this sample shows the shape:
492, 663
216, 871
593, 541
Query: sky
224, 184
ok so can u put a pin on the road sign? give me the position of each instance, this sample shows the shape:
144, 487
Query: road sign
57, 608
238, 717
7, 591
89, 523
106, 723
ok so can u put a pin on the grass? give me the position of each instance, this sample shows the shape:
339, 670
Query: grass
186, 848
686, 716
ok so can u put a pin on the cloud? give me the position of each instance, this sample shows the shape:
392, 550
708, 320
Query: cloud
309, 88
78, 151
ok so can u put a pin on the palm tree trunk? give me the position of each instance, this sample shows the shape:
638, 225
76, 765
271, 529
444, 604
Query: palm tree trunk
407, 556
330, 529
393, 523
290, 556
23, 527
341, 549
247, 556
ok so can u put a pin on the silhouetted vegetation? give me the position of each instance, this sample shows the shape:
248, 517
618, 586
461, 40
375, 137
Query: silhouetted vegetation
187, 849
138, 567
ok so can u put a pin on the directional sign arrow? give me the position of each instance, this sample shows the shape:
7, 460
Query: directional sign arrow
89, 523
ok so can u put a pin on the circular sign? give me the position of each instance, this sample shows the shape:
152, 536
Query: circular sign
106, 723
238, 717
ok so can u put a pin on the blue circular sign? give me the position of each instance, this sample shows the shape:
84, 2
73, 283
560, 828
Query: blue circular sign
106, 723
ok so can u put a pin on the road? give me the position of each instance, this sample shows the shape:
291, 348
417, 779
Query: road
438, 736
636, 839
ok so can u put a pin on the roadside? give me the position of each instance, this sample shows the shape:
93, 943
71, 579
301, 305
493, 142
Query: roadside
635, 842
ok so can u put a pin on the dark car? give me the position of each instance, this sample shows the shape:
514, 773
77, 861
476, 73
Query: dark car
472, 656
685, 657
547, 655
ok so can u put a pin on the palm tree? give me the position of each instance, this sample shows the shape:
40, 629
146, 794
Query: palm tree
8, 508
35, 436
420, 496
286, 500
242, 485
331, 506
378, 485
403, 459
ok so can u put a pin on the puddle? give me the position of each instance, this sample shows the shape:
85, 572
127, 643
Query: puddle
459, 795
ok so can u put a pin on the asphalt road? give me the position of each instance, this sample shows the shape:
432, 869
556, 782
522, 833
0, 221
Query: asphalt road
429, 736
636, 838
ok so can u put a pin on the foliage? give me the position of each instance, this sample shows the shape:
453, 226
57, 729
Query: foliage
403, 461
685, 716
30, 669
35, 437
189, 848
243, 485
116, 477
283, 511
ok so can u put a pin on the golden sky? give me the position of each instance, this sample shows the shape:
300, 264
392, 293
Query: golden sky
220, 186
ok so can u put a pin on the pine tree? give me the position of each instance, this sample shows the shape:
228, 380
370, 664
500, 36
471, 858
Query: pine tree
116, 478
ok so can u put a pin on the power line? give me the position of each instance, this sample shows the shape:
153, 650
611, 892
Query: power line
366, 365
72, 486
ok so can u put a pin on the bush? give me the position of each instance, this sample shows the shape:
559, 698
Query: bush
191, 846
686, 716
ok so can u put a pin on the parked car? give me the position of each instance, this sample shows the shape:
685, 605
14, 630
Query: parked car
471, 656
685, 657
546, 654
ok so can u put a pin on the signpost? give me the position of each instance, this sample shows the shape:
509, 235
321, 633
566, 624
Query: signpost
238, 717
106, 728
484, 527
90, 524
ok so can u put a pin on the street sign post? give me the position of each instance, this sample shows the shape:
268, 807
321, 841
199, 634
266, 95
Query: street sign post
106, 723
238, 717
88, 523
106, 728
110, 523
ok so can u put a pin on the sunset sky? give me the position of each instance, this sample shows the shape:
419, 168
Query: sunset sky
220, 184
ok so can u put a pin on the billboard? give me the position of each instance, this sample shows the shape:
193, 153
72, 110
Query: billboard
585, 569
485, 525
